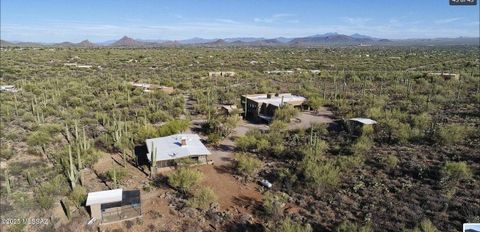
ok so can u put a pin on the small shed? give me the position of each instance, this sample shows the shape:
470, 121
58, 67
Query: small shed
8, 88
357, 125
364, 121
115, 205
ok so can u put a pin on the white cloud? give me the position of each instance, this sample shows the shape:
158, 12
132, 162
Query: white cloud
274, 18
75, 31
356, 20
447, 20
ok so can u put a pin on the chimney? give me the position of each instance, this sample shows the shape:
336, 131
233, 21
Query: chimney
183, 141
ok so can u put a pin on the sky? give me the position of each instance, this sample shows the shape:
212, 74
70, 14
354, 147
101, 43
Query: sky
103, 20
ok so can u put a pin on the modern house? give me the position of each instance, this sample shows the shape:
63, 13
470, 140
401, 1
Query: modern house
263, 106
280, 72
115, 205
152, 87
221, 74
8, 88
166, 151
446, 76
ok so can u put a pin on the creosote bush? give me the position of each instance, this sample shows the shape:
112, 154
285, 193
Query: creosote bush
391, 161
202, 198
184, 179
451, 134
78, 195
456, 171
273, 203
425, 226
247, 164
347, 226
287, 225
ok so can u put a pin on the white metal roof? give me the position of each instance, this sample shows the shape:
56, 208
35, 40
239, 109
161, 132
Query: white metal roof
276, 100
170, 147
103, 197
365, 121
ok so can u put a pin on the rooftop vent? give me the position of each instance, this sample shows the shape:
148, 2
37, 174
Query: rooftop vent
183, 141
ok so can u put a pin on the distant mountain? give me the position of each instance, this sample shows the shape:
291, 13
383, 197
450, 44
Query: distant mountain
195, 40
4, 43
266, 42
65, 44
335, 38
327, 39
127, 42
243, 39
283, 39
86, 43
216, 42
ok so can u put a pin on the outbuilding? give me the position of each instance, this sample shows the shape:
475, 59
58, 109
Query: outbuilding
115, 205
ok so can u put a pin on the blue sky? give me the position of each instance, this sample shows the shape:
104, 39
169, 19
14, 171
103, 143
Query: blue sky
65, 20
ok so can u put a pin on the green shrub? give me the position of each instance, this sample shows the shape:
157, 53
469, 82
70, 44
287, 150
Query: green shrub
285, 113
173, 127
321, 174
362, 145
425, 226
202, 198
347, 226
456, 171
247, 164
45, 201
184, 178
422, 121
391, 161
397, 131
213, 138
119, 174
346, 163
6, 153
78, 195
273, 203
246, 143
450, 134
287, 225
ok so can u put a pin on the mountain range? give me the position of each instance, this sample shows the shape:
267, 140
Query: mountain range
326, 39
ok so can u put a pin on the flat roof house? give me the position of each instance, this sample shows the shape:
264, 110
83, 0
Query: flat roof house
446, 76
221, 74
173, 147
152, 87
263, 106
8, 88
115, 205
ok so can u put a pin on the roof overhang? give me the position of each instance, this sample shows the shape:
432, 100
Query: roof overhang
103, 197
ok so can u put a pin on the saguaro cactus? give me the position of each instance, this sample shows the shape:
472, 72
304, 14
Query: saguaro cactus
7, 182
114, 178
79, 164
153, 160
29, 179
71, 172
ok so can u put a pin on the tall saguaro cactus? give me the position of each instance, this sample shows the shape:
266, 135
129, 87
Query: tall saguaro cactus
71, 172
7, 182
79, 164
153, 158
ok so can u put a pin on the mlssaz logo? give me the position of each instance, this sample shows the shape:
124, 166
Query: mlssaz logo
463, 2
